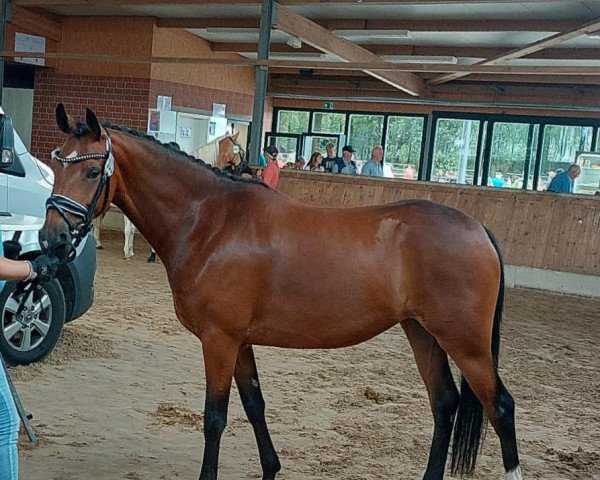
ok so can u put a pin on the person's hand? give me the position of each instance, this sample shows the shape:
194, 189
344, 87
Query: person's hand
45, 268
12, 249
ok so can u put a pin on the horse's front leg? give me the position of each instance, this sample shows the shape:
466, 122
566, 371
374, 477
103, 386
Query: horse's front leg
246, 378
220, 352
97, 224
129, 232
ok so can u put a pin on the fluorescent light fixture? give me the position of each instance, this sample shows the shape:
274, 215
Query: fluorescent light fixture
294, 42
439, 59
374, 34
225, 31
300, 57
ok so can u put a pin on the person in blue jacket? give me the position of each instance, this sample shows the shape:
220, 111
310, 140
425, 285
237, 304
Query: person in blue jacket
563, 182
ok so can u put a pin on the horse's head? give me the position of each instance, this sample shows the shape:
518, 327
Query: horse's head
82, 169
230, 152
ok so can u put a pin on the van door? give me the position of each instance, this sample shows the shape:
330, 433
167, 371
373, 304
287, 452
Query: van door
3, 192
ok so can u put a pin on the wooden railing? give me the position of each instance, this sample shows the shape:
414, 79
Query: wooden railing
535, 229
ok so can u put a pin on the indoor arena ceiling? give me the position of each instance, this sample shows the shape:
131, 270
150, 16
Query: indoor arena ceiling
521, 42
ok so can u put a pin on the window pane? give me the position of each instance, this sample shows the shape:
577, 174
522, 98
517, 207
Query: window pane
318, 144
364, 134
403, 145
454, 151
289, 121
588, 182
512, 145
328, 122
559, 149
287, 147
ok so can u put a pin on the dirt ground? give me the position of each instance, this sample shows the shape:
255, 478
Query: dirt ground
121, 397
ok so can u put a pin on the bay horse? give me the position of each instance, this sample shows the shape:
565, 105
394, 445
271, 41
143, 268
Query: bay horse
224, 152
430, 268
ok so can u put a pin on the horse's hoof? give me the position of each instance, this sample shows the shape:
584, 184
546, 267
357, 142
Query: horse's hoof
99, 247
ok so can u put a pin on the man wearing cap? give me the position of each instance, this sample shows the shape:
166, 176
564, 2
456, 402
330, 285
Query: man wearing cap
331, 159
345, 164
270, 174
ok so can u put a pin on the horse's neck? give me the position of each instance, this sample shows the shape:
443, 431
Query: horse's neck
209, 152
163, 196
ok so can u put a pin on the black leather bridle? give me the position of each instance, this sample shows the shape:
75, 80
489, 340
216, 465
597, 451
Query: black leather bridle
65, 205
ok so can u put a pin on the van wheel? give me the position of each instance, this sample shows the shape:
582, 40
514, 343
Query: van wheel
31, 336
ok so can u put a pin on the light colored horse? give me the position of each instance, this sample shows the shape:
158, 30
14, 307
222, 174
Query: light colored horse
218, 153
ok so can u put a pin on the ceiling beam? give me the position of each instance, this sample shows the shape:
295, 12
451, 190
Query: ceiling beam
392, 24
521, 52
318, 37
380, 67
86, 3
356, 76
386, 49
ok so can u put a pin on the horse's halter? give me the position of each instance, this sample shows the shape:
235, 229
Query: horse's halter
63, 204
239, 152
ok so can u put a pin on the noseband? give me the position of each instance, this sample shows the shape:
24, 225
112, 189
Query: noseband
65, 205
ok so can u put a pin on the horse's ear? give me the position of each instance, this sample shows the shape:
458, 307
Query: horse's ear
235, 136
65, 122
92, 122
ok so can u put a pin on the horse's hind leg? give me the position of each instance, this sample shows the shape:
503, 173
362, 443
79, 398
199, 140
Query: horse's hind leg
432, 363
498, 404
246, 378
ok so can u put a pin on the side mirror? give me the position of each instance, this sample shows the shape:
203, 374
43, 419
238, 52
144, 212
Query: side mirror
8, 140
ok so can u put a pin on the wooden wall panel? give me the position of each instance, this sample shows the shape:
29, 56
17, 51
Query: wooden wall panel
535, 229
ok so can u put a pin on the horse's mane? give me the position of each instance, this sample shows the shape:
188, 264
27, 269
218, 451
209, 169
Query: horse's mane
83, 129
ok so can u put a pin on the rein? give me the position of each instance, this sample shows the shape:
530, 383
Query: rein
64, 205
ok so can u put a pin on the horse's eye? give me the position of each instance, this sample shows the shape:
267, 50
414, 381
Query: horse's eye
93, 173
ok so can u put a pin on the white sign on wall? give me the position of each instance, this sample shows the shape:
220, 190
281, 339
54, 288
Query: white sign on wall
164, 102
185, 132
219, 109
30, 43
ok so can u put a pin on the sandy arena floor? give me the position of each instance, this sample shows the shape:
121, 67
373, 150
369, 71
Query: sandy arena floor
121, 397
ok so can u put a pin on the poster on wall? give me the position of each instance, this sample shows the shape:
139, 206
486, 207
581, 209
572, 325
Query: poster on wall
219, 109
164, 102
185, 132
30, 43
154, 124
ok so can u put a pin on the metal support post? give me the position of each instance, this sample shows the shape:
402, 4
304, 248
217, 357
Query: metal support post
268, 11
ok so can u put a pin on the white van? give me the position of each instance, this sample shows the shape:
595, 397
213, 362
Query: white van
25, 184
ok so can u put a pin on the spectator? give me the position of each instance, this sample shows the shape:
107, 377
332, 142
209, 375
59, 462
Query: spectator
497, 181
330, 160
314, 164
374, 167
299, 164
408, 173
345, 164
270, 174
563, 182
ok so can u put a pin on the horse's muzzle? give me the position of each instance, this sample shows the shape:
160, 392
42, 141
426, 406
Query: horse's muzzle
56, 242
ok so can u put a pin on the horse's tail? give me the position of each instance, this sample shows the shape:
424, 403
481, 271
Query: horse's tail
469, 425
